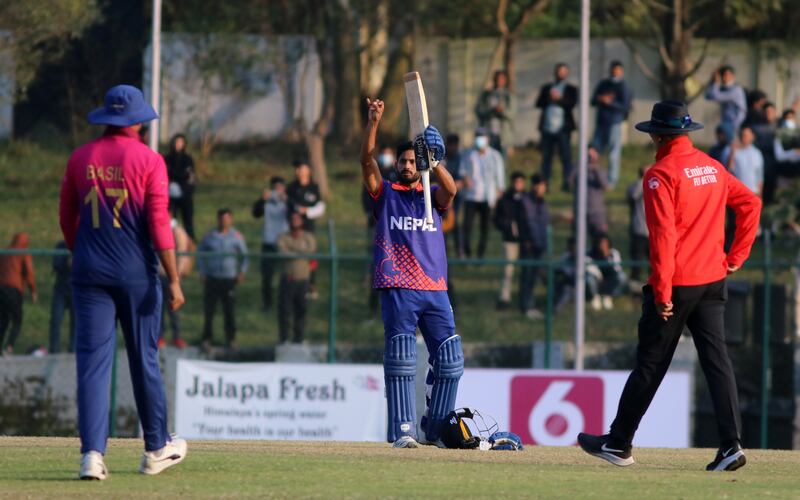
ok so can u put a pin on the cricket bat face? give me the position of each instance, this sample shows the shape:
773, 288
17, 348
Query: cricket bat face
418, 121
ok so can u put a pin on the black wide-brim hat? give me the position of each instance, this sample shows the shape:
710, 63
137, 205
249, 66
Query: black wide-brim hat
669, 117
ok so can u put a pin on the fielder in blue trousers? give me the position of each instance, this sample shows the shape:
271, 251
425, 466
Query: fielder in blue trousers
411, 272
114, 217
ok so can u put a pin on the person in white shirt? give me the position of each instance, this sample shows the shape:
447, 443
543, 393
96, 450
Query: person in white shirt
484, 182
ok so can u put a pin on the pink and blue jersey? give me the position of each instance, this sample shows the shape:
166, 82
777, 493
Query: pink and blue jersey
113, 210
408, 252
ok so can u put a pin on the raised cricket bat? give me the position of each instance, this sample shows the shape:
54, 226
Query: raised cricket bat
418, 120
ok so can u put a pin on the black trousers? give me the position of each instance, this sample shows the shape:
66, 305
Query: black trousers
482, 210
702, 309
527, 278
292, 305
640, 250
267, 271
558, 142
185, 206
10, 313
223, 290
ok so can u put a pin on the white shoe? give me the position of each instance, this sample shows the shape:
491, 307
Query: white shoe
405, 442
597, 304
92, 466
173, 453
608, 302
534, 314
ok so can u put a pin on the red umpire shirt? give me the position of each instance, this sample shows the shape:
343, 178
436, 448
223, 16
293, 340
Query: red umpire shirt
685, 194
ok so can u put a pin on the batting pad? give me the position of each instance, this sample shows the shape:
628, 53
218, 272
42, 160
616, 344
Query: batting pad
399, 369
448, 366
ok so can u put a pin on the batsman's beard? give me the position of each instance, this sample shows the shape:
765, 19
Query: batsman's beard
408, 177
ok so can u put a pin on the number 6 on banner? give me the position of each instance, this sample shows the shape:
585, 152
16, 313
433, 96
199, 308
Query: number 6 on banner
553, 404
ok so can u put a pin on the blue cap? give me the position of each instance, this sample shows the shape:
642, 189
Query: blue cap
124, 105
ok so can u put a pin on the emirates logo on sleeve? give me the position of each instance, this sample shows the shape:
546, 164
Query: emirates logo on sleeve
653, 183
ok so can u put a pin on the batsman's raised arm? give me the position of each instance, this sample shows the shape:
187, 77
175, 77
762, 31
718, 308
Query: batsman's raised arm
447, 187
369, 167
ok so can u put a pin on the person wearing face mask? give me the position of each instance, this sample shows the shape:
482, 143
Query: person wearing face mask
556, 123
612, 97
484, 182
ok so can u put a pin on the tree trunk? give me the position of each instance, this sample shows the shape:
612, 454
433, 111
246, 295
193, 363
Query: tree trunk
394, 120
348, 117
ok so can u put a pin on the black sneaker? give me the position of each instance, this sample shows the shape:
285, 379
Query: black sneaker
602, 447
728, 458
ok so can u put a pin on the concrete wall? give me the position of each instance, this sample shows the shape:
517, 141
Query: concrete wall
279, 82
465, 63
238, 87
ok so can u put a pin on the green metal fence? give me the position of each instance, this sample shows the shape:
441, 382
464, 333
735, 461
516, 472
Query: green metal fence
766, 264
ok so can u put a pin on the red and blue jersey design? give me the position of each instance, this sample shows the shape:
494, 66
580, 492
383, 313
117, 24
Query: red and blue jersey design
408, 252
113, 210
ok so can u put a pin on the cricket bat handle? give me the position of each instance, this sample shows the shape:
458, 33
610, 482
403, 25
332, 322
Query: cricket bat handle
426, 191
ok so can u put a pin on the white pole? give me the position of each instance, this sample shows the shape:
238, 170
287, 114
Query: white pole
583, 144
155, 73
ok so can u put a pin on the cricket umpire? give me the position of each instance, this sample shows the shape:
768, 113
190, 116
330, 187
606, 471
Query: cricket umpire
113, 214
685, 195
411, 272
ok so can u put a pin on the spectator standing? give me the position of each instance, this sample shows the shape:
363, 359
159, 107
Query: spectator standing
453, 163
509, 217
612, 278
184, 261
756, 102
273, 206
221, 274
724, 132
765, 133
597, 185
533, 243
556, 123
294, 279
62, 299
495, 112
182, 180
304, 197
746, 162
16, 271
613, 98
484, 181
730, 96
638, 233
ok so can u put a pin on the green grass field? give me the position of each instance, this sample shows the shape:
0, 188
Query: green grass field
29, 184
48, 467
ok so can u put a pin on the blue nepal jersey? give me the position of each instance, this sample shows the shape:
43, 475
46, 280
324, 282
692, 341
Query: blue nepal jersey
408, 252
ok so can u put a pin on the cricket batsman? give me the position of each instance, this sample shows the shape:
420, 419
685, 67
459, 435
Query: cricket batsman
114, 218
685, 195
411, 272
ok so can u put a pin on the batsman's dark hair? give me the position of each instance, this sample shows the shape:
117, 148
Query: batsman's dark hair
516, 174
276, 179
403, 147
223, 211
